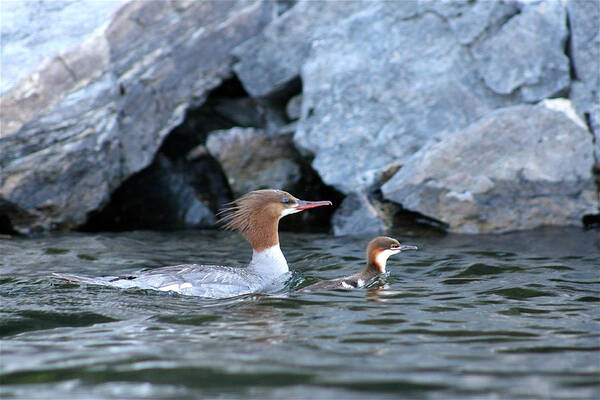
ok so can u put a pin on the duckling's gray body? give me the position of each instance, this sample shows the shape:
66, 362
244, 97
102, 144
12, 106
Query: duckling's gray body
348, 282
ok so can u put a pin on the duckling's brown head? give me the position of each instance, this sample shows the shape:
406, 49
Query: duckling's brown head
381, 248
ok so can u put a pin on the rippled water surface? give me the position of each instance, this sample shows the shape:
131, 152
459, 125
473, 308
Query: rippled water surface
500, 317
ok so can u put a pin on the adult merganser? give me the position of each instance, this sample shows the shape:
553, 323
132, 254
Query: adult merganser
256, 216
378, 251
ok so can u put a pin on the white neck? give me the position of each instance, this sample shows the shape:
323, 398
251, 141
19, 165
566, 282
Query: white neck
269, 263
382, 257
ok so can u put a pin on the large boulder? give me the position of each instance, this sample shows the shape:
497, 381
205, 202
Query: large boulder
91, 117
253, 160
520, 167
384, 80
584, 20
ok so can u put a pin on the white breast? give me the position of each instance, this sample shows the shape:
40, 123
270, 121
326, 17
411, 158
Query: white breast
269, 263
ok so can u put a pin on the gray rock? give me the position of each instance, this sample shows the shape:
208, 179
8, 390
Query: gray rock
527, 54
520, 167
357, 216
241, 111
378, 86
584, 20
58, 168
92, 117
272, 59
252, 160
41, 91
33, 31
470, 20
587, 103
293, 107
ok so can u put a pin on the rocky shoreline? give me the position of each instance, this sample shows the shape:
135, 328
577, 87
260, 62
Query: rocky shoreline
478, 116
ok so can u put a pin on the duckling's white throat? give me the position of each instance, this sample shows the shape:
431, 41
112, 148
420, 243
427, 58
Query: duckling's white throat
382, 257
269, 263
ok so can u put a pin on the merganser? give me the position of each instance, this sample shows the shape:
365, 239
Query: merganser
378, 251
256, 216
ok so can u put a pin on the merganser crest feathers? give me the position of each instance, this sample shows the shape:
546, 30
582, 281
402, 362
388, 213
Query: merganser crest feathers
256, 216
242, 212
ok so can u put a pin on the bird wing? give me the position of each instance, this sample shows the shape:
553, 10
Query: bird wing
192, 279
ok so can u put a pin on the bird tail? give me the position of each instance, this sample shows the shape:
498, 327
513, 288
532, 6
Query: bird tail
79, 279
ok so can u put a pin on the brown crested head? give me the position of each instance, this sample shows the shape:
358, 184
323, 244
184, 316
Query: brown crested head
381, 248
256, 215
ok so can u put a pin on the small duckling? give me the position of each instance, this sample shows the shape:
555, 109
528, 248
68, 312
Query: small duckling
378, 251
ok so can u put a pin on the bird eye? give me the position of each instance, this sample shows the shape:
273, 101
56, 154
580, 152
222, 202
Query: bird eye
285, 201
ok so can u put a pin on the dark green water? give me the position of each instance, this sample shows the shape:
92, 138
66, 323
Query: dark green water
514, 316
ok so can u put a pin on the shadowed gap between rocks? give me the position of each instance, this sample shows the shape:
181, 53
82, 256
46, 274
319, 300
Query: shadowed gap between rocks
285, 5
6, 227
8, 210
592, 221
185, 186
567, 50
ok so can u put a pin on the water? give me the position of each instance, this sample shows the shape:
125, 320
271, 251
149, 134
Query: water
488, 317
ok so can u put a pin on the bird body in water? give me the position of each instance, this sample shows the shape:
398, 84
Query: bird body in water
256, 216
